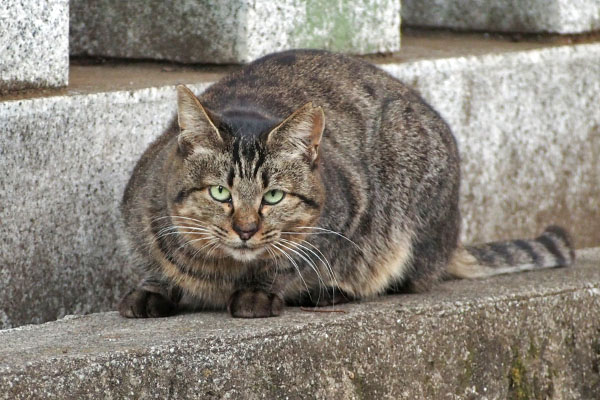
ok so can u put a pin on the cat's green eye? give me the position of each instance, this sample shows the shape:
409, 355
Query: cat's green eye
273, 196
219, 193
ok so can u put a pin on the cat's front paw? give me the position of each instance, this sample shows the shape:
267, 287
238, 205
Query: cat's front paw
140, 303
254, 303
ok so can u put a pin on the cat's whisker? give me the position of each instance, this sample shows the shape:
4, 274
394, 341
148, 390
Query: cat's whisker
323, 233
192, 222
189, 225
310, 263
192, 241
302, 254
166, 229
219, 229
329, 268
212, 241
171, 217
193, 228
268, 235
183, 232
204, 256
181, 226
320, 256
209, 252
295, 266
186, 218
272, 254
324, 230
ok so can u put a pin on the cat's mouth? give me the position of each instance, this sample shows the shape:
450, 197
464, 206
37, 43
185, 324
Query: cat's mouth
244, 252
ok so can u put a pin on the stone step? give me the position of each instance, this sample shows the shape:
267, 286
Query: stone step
552, 16
525, 116
34, 44
530, 335
234, 31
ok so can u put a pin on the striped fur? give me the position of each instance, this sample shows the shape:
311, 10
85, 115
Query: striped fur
553, 248
370, 175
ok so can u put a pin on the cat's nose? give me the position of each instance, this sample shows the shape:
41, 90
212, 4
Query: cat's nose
247, 230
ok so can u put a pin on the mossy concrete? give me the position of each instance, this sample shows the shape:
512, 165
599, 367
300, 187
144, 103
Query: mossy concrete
200, 31
528, 336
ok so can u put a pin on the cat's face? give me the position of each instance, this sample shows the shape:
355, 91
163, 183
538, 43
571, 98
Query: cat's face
245, 197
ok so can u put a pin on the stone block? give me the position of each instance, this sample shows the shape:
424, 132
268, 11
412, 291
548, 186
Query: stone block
34, 44
532, 335
554, 16
201, 31
528, 129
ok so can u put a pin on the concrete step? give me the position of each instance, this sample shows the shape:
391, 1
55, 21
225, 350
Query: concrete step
525, 115
233, 31
34, 44
531, 335
553, 16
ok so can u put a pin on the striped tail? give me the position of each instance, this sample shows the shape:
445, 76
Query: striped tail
553, 248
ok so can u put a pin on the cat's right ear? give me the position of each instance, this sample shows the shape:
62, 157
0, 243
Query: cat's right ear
197, 124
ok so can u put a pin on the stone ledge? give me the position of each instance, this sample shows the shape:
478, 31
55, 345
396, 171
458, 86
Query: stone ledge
525, 116
533, 334
231, 31
553, 16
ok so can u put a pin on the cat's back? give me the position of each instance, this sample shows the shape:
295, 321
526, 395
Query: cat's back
281, 82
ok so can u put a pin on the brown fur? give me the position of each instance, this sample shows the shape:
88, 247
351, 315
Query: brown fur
369, 175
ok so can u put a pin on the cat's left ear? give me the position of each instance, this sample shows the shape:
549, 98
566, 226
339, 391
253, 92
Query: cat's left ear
299, 134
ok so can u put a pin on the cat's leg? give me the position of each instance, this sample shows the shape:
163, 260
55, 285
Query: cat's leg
152, 298
431, 254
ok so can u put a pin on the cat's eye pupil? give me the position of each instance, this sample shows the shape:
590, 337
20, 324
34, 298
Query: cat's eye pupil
220, 193
273, 196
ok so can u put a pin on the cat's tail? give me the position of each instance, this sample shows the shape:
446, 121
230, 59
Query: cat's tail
553, 248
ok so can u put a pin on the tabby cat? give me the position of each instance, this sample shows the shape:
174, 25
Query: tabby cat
306, 178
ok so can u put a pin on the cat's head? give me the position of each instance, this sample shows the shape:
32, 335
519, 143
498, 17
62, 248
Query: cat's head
245, 196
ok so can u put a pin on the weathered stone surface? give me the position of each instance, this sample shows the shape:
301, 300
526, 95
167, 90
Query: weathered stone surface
34, 44
528, 128
556, 16
231, 31
527, 124
532, 335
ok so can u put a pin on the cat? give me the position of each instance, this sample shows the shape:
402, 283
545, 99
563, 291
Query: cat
304, 178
